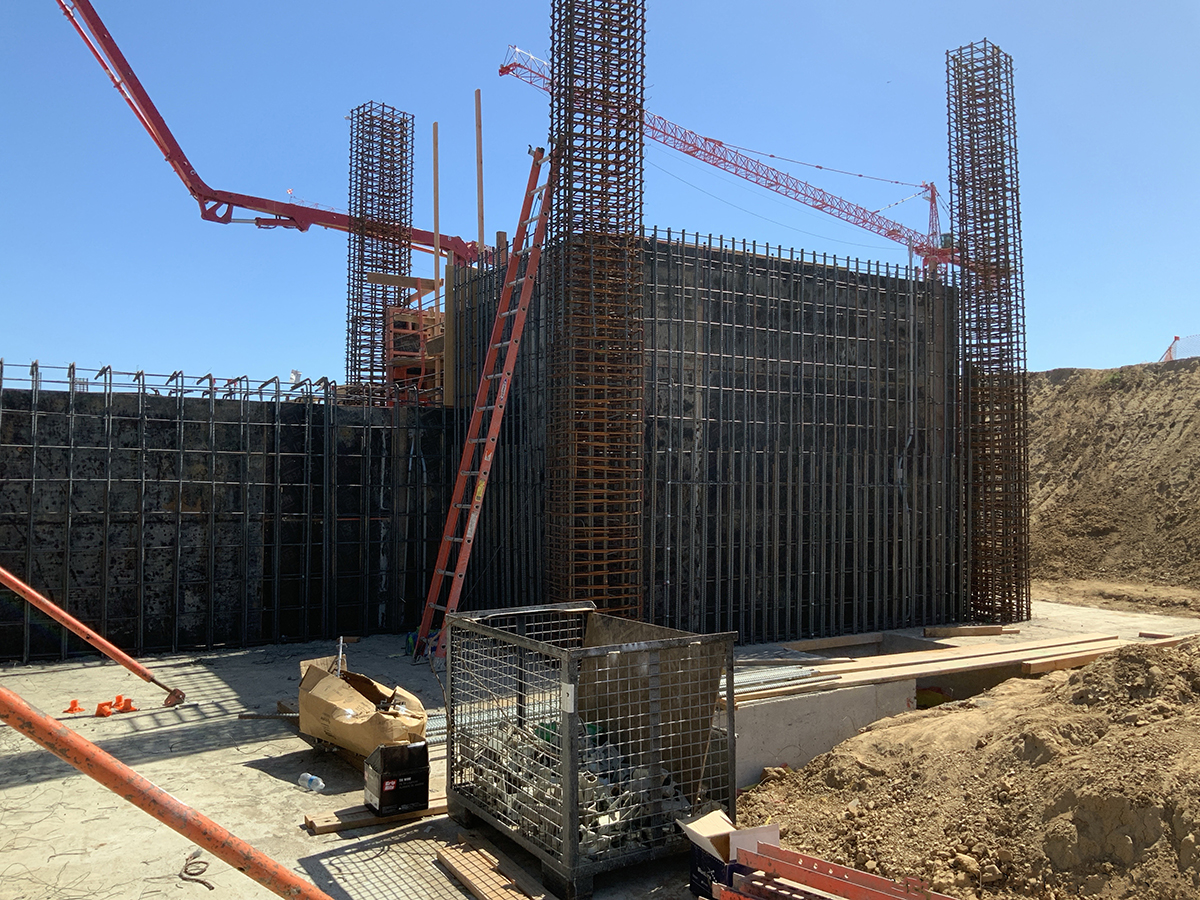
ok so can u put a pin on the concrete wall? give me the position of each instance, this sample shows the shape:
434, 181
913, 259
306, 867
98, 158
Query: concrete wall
795, 730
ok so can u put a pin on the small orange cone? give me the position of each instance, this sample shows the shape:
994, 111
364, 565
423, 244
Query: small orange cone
126, 706
104, 710
116, 704
74, 707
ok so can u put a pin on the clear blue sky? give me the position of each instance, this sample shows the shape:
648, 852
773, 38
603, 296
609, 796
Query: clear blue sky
104, 259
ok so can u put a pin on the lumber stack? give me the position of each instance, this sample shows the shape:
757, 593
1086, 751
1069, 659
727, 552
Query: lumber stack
1026, 658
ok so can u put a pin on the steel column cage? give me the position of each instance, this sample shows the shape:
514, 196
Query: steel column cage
171, 512
381, 185
986, 216
594, 459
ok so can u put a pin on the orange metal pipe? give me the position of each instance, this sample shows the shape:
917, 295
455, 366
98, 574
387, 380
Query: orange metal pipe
112, 651
148, 797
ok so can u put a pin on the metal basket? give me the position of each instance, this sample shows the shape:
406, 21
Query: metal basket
636, 719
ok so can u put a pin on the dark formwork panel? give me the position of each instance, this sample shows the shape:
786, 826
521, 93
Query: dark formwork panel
802, 444
171, 515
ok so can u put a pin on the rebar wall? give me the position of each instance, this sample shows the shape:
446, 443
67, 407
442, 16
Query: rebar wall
174, 512
594, 457
802, 444
986, 214
381, 175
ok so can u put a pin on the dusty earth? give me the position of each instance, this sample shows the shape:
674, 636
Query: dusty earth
1114, 460
1076, 784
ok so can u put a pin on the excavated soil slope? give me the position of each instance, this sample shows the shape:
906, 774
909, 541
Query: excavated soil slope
1076, 784
1114, 463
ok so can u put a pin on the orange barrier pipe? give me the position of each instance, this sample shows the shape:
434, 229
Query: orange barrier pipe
112, 651
147, 796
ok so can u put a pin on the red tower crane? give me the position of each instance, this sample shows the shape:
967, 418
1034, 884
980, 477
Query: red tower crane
536, 72
217, 206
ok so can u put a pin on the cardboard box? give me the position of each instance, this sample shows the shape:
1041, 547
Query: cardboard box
396, 779
355, 712
715, 843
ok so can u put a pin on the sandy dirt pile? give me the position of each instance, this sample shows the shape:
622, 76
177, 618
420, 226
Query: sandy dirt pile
1114, 461
1080, 783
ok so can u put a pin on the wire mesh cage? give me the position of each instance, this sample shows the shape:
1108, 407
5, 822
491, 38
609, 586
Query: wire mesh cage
635, 721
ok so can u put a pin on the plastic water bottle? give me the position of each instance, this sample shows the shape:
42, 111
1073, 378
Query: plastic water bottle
310, 782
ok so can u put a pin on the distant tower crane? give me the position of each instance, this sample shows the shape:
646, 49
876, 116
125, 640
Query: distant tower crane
534, 71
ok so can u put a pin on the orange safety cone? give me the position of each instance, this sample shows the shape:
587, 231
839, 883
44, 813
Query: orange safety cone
74, 707
126, 706
104, 710
117, 702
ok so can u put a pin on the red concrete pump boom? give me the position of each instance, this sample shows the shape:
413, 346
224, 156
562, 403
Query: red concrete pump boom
216, 206
536, 72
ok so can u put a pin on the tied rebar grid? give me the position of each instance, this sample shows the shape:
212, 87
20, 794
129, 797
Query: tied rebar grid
594, 457
381, 176
803, 450
986, 216
173, 512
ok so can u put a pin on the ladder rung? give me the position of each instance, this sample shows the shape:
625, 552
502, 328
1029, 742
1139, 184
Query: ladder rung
500, 344
456, 540
438, 607
517, 281
444, 572
525, 222
477, 440
469, 472
462, 505
510, 312
537, 190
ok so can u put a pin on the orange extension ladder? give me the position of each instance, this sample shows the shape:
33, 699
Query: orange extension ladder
490, 400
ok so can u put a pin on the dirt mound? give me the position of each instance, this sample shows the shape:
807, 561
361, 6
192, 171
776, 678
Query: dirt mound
1114, 459
1077, 784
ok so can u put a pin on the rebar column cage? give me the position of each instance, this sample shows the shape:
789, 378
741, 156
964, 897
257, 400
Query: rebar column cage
986, 214
594, 456
647, 716
381, 183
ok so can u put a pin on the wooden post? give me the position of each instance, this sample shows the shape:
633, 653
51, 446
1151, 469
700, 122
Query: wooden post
437, 228
479, 162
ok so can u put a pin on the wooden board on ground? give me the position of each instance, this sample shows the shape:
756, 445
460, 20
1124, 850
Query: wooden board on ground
1082, 658
945, 631
936, 662
361, 817
488, 874
840, 640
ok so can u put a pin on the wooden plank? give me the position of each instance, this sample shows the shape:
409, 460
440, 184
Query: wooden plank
840, 640
489, 874
962, 630
509, 867
927, 668
1075, 660
361, 817
892, 660
1154, 634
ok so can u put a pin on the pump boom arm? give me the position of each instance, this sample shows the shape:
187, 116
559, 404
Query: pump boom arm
218, 206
